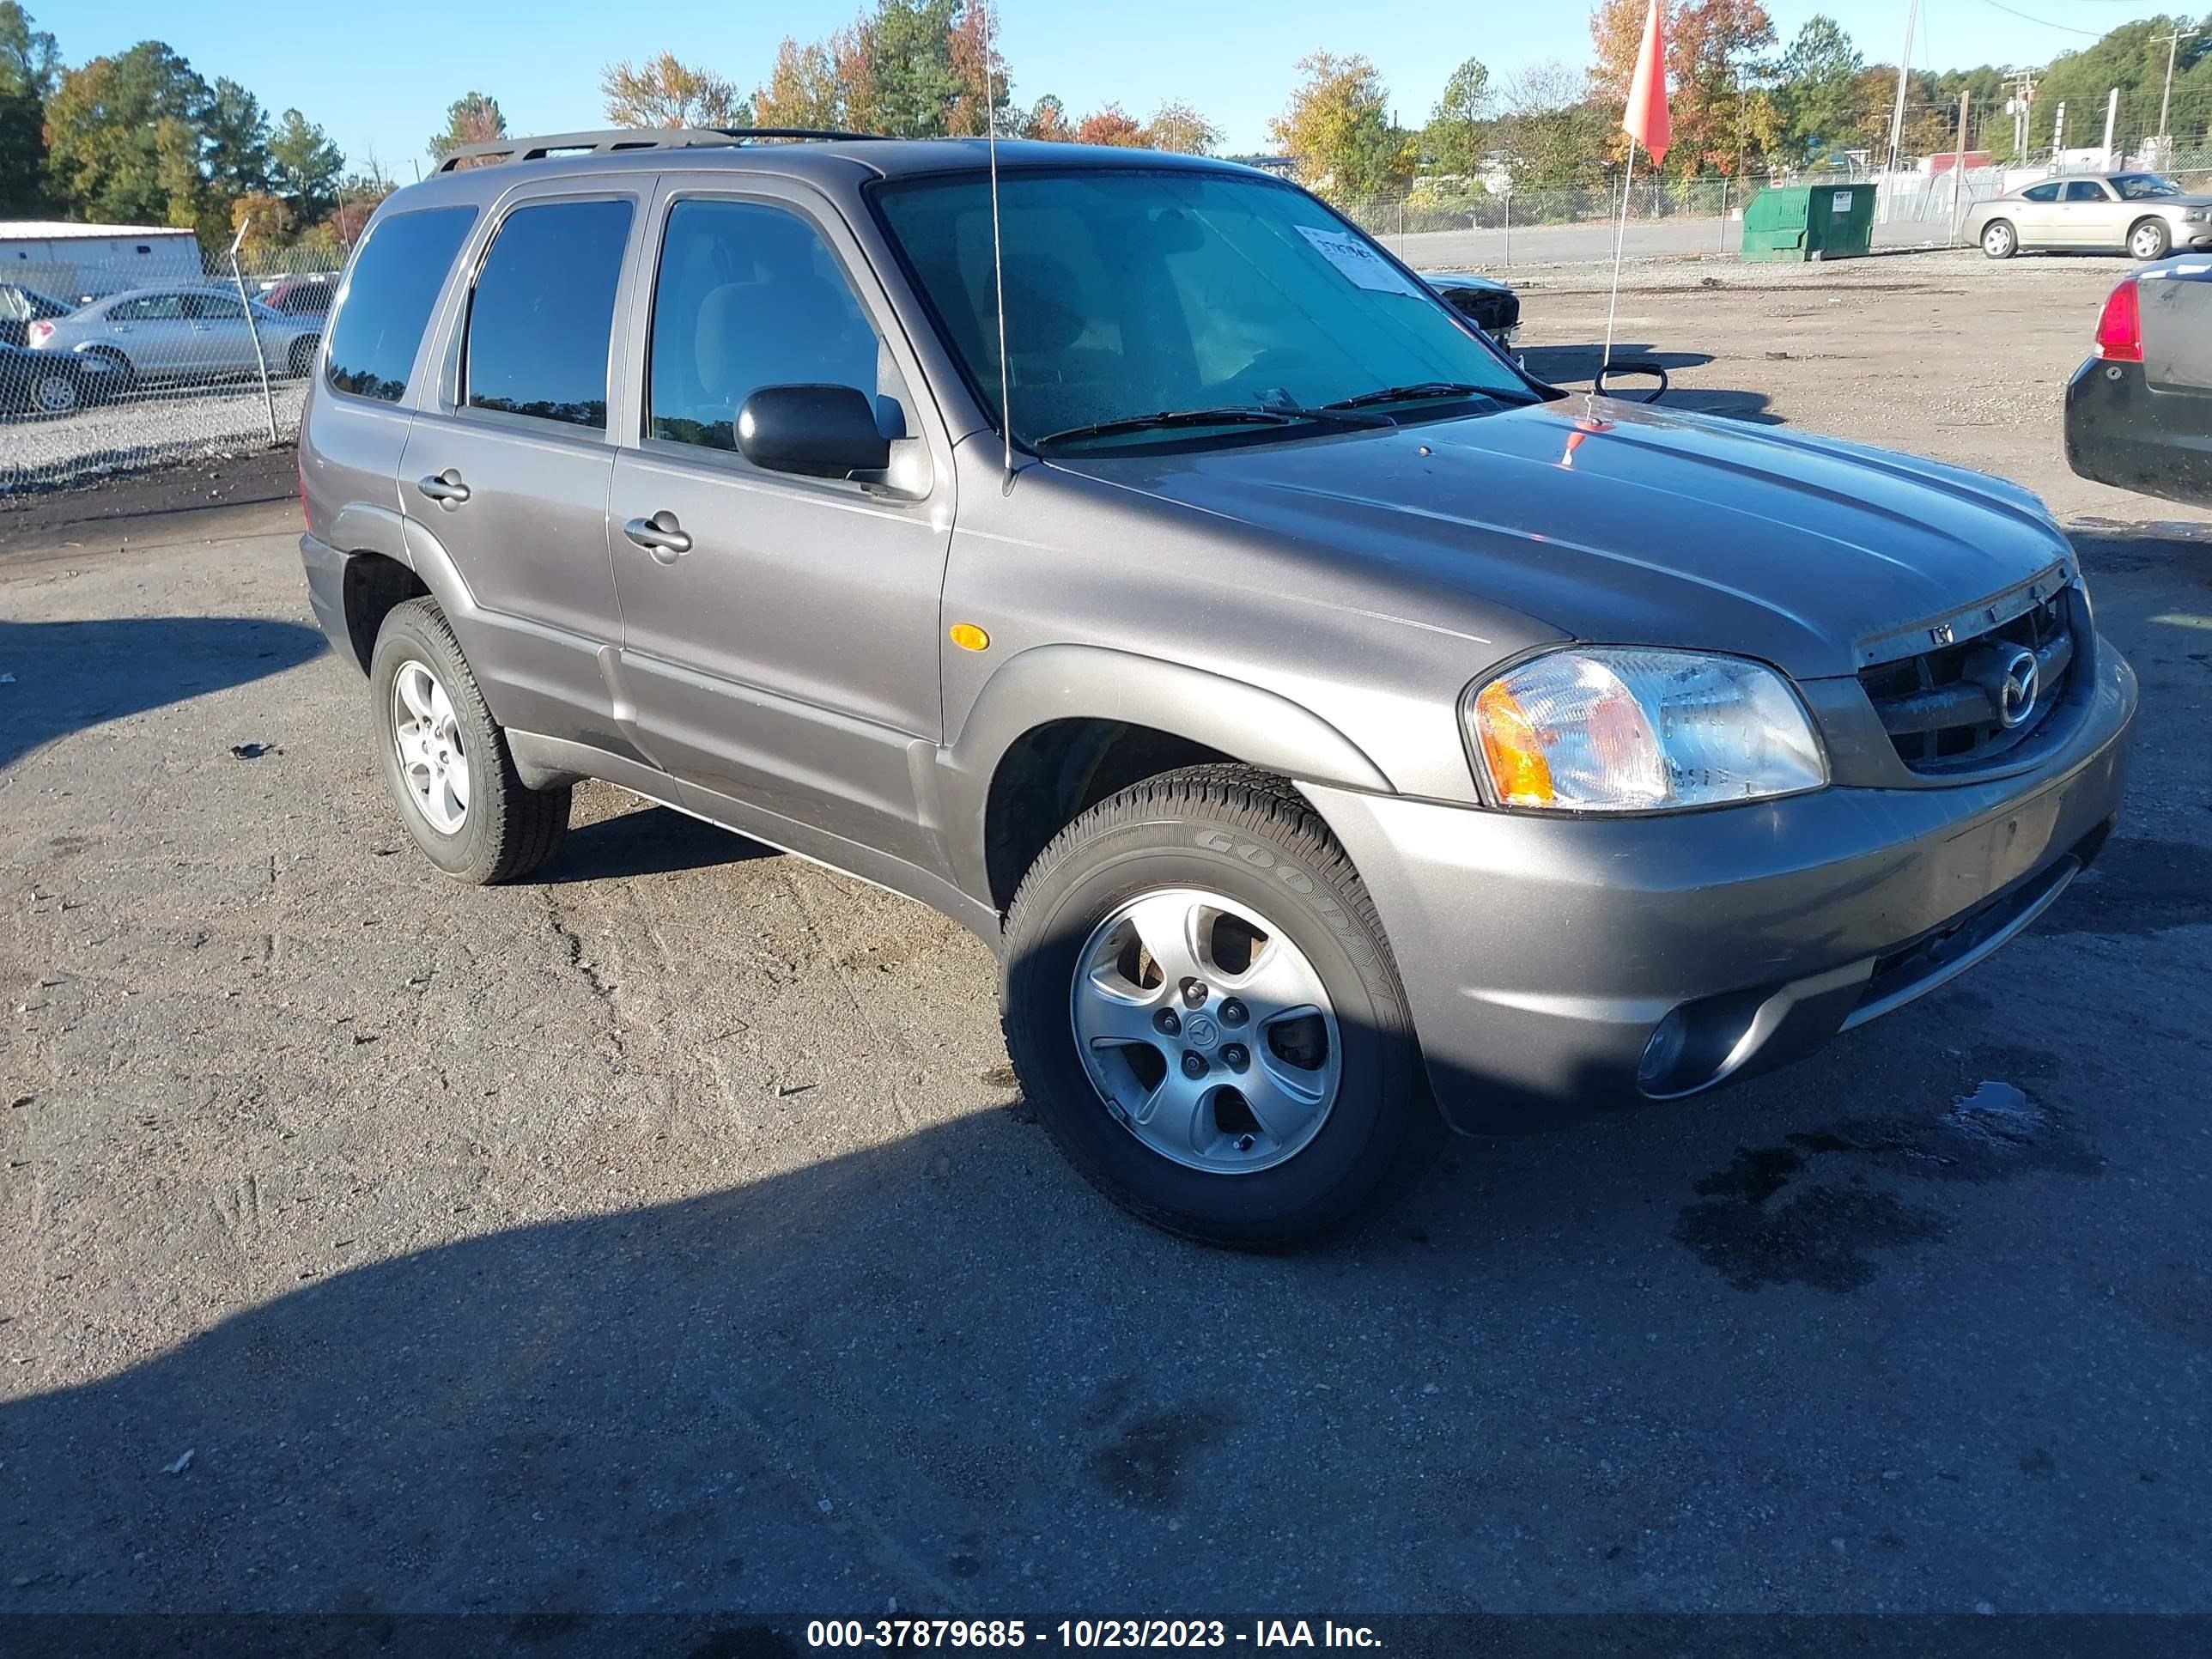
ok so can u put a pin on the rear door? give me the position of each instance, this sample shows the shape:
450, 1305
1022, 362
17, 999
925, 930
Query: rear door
2035, 215
786, 658
150, 330
222, 341
508, 461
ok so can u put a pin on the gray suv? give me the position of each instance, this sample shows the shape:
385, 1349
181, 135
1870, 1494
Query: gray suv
1338, 734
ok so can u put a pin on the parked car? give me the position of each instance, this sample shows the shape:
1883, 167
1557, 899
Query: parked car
20, 306
183, 332
1336, 732
1487, 303
2135, 213
2139, 410
308, 296
44, 384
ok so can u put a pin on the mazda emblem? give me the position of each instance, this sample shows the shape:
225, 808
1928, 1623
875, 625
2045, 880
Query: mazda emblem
2017, 696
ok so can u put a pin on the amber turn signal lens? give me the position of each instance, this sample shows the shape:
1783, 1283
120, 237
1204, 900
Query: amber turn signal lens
968, 637
1518, 769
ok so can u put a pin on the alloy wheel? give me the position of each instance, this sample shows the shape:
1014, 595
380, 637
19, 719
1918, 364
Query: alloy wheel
55, 394
429, 739
1206, 1031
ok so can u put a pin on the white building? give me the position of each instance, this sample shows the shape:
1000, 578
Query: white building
69, 261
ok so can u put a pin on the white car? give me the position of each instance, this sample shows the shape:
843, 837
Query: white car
192, 332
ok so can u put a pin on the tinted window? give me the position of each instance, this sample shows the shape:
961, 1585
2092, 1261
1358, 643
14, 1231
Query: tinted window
748, 295
2085, 190
543, 313
1129, 293
394, 283
2042, 193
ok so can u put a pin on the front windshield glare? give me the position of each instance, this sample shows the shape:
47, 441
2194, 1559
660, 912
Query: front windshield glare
2137, 186
1132, 293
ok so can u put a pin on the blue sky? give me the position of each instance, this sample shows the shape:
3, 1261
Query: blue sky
382, 74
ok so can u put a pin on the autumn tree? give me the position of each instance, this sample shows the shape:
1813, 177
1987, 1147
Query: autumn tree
474, 117
1112, 126
666, 92
1178, 127
1338, 128
1455, 138
826, 84
980, 72
1047, 122
1720, 110
266, 219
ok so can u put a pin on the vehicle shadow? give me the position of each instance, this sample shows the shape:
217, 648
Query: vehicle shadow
70, 675
1577, 367
649, 841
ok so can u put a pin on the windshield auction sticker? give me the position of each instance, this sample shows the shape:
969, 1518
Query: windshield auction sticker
1357, 261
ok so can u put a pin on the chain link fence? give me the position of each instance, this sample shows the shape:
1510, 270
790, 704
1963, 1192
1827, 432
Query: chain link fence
112, 368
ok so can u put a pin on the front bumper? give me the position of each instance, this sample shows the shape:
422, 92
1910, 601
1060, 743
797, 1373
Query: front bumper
2122, 430
1541, 955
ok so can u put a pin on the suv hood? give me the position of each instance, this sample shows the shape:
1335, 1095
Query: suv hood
1620, 523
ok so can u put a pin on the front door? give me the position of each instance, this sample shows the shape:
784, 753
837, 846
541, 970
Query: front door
780, 633
222, 342
2089, 215
508, 466
151, 330
2036, 214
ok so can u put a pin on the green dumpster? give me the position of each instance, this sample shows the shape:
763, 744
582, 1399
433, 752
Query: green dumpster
1809, 221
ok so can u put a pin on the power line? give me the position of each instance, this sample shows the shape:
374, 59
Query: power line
2043, 22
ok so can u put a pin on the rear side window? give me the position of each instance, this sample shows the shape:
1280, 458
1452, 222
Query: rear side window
395, 281
543, 313
2042, 193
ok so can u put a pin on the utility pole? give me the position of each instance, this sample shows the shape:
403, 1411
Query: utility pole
2111, 121
1959, 167
1897, 115
2172, 48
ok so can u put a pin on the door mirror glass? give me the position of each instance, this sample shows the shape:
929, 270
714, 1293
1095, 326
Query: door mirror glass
817, 431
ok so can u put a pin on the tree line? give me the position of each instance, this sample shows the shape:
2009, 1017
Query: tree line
141, 137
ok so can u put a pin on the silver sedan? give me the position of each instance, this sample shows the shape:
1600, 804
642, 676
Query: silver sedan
2135, 213
192, 332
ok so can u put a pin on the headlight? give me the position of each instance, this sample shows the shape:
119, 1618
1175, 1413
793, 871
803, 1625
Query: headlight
2197, 215
1621, 729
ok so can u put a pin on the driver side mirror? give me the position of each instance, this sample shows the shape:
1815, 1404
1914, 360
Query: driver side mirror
815, 431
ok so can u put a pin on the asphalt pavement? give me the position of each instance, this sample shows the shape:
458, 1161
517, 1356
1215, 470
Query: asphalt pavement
666, 1234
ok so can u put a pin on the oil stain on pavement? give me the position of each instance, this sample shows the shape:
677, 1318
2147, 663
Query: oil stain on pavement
1756, 1228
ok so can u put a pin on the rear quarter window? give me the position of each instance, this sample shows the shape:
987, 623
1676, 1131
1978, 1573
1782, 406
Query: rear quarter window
394, 283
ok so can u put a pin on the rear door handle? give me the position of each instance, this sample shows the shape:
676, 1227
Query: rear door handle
444, 488
660, 536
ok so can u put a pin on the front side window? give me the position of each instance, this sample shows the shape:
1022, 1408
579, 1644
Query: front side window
214, 308
748, 295
2145, 186
149, 308
1131, 291
2086, 190
386, 303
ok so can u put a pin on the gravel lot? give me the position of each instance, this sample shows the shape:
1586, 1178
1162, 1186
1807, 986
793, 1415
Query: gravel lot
667, 1236
144, 428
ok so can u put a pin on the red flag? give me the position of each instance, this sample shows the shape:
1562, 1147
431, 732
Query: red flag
1646, 117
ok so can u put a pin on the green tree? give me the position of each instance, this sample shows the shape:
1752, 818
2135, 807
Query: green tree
474, 117
1338, 126
30, 61
1816, 94
22, 154
1047, 122
234, 136
1459, 127
916, 84
1552, 136
123, 135
304, 167
1178, 127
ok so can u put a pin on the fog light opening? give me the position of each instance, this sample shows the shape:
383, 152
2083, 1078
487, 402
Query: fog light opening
1663, 1054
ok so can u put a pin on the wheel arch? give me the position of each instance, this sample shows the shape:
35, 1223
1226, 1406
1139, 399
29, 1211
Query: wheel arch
391, 559
2158, 219
1060, 727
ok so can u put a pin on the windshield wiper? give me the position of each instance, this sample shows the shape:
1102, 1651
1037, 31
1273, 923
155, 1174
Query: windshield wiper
1237, 415
1392, 394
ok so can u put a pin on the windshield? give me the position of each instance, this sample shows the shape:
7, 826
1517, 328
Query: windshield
1133, 292
2138, 186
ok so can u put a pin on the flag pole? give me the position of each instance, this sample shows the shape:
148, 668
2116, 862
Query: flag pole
1619, 236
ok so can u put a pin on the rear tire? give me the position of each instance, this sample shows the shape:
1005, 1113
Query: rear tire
57, 392
299, 362
1999, 240
446, 759
2151, 239
1233, 847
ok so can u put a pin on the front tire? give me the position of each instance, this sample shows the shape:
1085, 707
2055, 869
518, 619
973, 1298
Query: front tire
1999, 240
1202, 1008
445, 760
2151, 239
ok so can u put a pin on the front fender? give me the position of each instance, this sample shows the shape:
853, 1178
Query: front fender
1052, 683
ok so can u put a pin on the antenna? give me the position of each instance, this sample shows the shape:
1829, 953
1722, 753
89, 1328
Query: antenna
998, 258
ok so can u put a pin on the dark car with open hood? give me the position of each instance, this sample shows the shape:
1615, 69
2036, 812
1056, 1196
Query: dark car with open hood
1338, 735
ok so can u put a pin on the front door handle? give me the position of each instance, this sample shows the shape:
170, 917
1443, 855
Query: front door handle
660, 536
444, 488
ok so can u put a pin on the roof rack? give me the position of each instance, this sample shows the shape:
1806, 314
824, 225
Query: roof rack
621, 139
